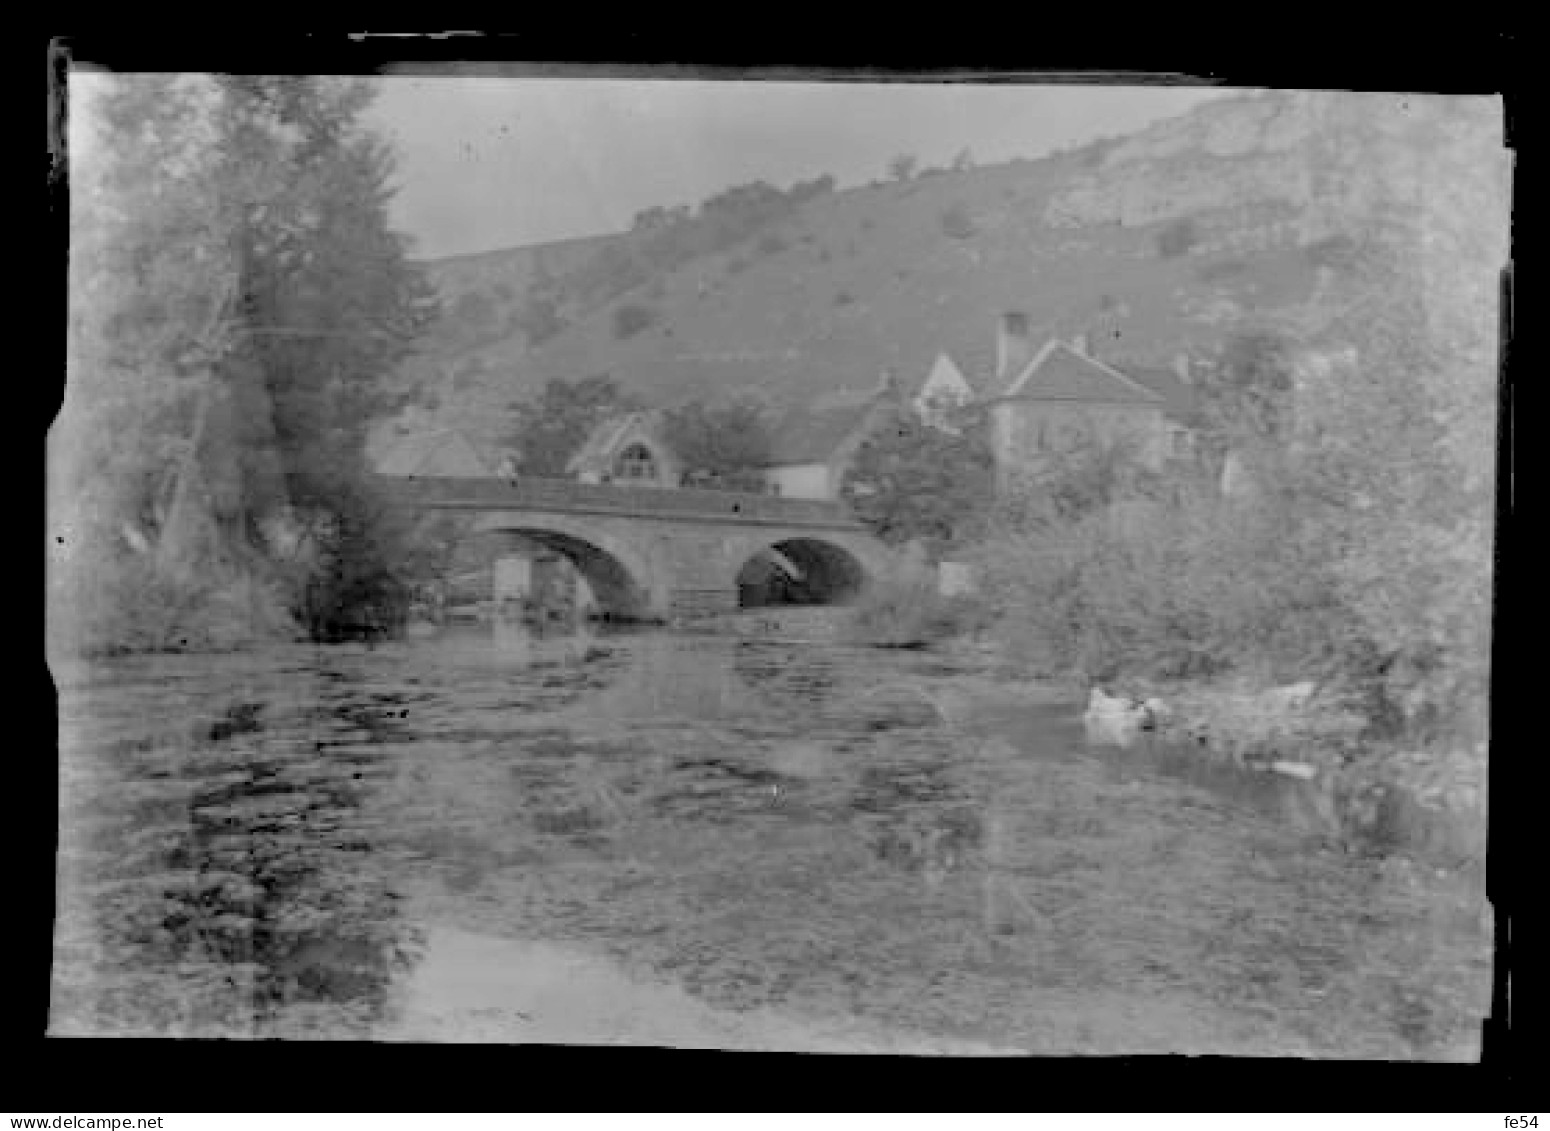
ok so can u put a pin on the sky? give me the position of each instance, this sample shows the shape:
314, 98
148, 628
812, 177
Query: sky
487, 163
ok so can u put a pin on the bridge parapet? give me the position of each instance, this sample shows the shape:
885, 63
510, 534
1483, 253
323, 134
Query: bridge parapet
611, 499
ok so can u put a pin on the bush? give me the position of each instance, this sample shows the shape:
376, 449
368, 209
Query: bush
1178, 590
957, 223
772, 243
1221, 271
910, 614
1177, 238
844, 298
631, 318
1340, 253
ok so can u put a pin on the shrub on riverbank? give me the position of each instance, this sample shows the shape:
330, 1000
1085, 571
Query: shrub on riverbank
1205, 601
910, 614
1163, 590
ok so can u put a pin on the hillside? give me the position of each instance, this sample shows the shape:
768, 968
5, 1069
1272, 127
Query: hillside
1234, 214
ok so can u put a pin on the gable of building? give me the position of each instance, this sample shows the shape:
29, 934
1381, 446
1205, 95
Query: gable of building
945, 381
443, 452
599, 454
1057, 372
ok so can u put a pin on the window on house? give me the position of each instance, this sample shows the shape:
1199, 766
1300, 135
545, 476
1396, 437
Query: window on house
635, 462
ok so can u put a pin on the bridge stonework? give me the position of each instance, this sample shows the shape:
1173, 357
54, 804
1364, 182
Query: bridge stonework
649, 552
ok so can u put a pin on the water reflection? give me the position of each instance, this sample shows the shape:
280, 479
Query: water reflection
756, 821
242, 896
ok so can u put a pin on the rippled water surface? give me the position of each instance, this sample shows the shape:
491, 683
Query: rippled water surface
297, 842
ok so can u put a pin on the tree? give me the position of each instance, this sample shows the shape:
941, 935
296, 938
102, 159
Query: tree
633, 317
902, 167
720, 446
963, 161
1177, 238
1086, 476
539, 316
549, 431
331, 304
957, 222
806, 190
152, 285
1247, 396
912, 481
238, 298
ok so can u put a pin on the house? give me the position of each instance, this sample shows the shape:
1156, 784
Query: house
1041, 400
432, 452
810, 451
1181, 404
628, 449
944, 391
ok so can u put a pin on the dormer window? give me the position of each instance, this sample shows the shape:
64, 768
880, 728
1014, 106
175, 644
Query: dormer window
635, 462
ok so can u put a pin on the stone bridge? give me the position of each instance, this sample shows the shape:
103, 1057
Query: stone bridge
652, 553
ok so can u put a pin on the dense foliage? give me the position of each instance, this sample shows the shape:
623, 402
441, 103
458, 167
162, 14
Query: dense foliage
1355, 547
551, 430
902, 166
720, 446
914, 481
236, 299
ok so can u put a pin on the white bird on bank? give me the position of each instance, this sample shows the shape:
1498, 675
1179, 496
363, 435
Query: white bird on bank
1118, 720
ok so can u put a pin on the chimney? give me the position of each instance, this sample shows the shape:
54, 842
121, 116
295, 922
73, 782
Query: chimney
1181, 367
1079, 343
1013, 349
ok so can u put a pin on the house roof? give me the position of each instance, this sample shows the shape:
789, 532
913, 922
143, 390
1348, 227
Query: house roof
948, 368
1181, 401
442, 451
805, 436
1059, 372
597, 451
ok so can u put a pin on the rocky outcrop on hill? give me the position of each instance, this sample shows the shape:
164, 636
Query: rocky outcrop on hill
827, 293
1329, 156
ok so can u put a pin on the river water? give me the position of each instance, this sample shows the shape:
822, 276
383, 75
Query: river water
671, 839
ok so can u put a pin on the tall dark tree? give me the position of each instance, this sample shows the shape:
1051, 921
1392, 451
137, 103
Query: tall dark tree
549, 431
331, 301
329, 306
720, 445
238, 304
912, 481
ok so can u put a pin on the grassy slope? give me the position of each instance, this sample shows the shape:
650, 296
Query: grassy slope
868, 279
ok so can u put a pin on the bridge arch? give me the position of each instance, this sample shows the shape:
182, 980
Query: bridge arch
620, 578
804, 569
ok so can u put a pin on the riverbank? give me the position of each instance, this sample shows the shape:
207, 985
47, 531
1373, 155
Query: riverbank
839, 846
481, 988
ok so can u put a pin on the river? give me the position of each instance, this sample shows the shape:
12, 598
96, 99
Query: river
651, 838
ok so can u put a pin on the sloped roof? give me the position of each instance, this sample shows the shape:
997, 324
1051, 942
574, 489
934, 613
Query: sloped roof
805, 436
944, 364
1181, 402
443, 451
974, 361
597, 452
977, 362
1059, 372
